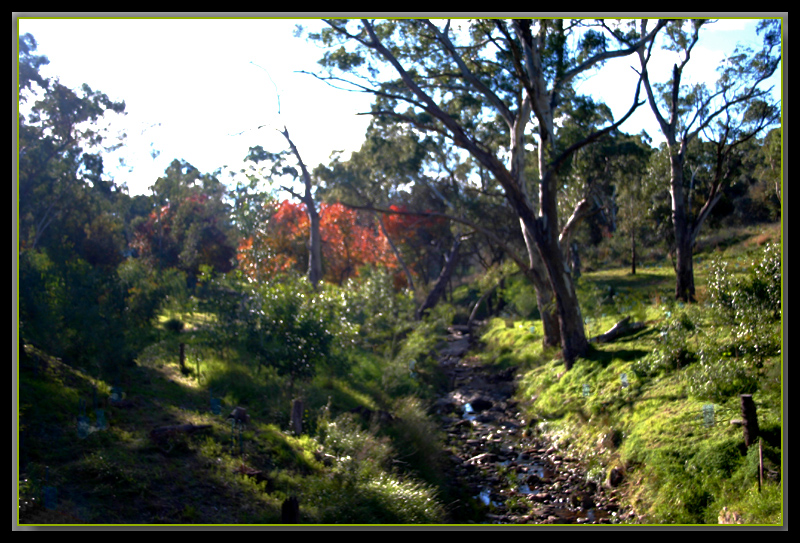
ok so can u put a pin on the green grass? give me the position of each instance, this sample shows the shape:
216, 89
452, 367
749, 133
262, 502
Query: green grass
347, 469
679, 469
121, 476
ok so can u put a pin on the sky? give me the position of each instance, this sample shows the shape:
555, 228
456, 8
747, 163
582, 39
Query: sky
199, 89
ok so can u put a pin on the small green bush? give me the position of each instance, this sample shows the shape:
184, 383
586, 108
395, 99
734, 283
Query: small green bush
283, 324
362, 487
752, 298
717, 377
673, 351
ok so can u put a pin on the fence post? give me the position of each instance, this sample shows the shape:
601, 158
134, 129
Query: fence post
290, 511
750, 420
297, 417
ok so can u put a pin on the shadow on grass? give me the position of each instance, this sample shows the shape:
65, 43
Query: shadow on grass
606, 356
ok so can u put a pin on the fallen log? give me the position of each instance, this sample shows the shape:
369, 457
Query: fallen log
621, 328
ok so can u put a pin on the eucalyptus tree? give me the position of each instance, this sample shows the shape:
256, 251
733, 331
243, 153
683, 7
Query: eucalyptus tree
398, 172
287, 162
62, 185
595, 176
190, 226
632, 188
71, 232
463, 80
728, 114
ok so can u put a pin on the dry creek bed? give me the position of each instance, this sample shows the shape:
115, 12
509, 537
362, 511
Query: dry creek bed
518, 476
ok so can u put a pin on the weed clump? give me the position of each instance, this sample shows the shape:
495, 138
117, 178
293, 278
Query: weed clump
361, 486
672, 351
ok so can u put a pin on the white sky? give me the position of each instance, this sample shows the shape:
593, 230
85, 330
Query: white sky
192, 90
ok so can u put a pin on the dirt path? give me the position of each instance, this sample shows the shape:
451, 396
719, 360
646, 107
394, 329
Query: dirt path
520, 478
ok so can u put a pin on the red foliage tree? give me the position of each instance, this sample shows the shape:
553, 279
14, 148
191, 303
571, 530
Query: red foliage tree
350, 240
415, 237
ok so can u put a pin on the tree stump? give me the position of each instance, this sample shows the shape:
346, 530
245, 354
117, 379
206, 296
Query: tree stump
239, 415
182, 357
749, 419
290, 511
297, 417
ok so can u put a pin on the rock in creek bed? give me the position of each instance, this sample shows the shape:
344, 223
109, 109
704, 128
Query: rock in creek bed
481, 422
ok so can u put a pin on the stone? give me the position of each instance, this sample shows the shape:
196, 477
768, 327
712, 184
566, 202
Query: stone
480, 403
729, 517
615, 477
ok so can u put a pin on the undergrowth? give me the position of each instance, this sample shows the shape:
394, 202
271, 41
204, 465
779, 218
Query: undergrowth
656, 405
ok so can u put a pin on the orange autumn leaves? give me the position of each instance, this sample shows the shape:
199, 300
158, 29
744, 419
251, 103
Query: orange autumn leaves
350, 240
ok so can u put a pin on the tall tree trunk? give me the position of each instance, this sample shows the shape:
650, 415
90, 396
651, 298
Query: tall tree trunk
451, 259
633, 252
684, 271
537, 274
315, 236
314, 245
571, 327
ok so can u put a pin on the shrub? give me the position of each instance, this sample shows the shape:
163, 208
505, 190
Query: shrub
718, 377
751, 299
751, 303
379, 313
362, 489
284, 324
672, 351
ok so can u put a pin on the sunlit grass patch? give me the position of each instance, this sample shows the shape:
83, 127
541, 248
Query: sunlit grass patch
508, 342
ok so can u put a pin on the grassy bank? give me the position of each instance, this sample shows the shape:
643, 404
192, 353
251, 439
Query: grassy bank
363, 456
648, 414
655, 406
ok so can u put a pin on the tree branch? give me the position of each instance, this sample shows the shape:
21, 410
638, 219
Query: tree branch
602, 57
488, 233
600, 133
470, 77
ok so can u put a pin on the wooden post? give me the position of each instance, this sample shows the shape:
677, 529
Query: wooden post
760, 465
297, 417
290, 511
750, 420
183, 357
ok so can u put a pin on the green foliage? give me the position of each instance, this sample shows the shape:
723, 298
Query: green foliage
672, 350
416, 355
416, 440
751, 304
717, 378
284, 324
190, 225
362, 488
381, 314
62, 190
752, 299
521, 297
74, 310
